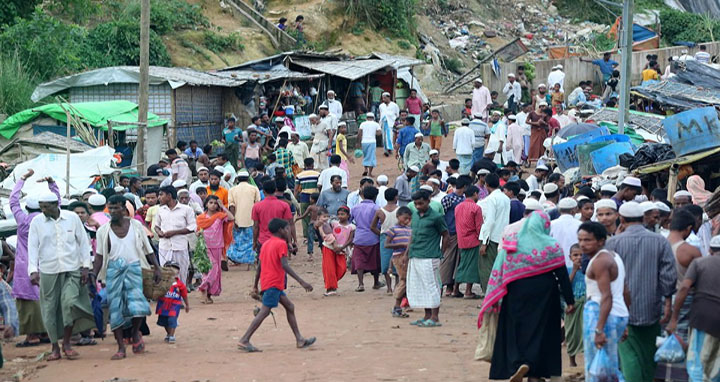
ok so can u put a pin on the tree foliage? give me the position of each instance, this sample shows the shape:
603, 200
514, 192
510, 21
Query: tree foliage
10, 10
685, 26
118, 43
168, 15
396, 17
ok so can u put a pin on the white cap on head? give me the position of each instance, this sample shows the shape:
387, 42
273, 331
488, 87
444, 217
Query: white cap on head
550, 188
542, 167
662, 207
605, 203
64, 202
559, 66
532, 204
682, 193
426, 187
496, 112
32, 202
90, 190
631, 210
279, 119
414, 168
567, 203
465, 122
323, 106
183, 191
386, 94
119, 189
542, 86
370, 115
418, 135
581, 197
97, 200
541, 104
477, 115
609, 187
219, 168
311, 116
483, 171
434, 181
632, 181
648, 206
179, 183
511, 75
382, 178
331, 91
478, 80
202, 168
342, 124
243, 173
511, 117
490, 150
715, 242
433, 152
48, 197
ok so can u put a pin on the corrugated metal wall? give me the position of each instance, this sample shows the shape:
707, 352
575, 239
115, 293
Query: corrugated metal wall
159, 96
198, 114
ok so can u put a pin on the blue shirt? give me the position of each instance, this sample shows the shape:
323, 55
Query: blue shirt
606, 67
198, 152
578, 283
449, 202
517, 210
230, 135
406, 135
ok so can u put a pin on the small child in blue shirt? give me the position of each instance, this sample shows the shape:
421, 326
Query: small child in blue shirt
574, 320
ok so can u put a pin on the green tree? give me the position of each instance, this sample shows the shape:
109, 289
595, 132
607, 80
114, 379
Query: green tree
12, 9
118, 43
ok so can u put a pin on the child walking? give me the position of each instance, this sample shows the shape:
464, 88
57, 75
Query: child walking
168, 307
272, 269
216, 226
337, 238
574, 320
312, 211
438, 129
341, 148
397, 238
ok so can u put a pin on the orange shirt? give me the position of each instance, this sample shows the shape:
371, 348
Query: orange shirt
221, 193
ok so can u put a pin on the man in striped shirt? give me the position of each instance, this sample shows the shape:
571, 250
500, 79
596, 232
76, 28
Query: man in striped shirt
307, 184
651, 276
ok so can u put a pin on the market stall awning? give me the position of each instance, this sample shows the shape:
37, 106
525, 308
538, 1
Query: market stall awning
277, 72
95, 114
351, 70
678, 94
647, 121
686, 159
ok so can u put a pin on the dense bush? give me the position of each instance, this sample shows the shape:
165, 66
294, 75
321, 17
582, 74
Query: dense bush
12, 9
394, 16
169, 15
219, 43
16, 85
118, 43
685, 26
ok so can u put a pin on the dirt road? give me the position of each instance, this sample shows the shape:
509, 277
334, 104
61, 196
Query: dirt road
357, 337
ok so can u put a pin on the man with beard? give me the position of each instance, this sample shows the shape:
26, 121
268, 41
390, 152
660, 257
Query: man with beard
389, 112
251, 151
203, 181
214, 187
541, 97
432, 164
480, 99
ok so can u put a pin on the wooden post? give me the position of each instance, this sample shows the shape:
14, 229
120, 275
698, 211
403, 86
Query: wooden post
67, 151
143, 101
672, 181
278, 98
111, 141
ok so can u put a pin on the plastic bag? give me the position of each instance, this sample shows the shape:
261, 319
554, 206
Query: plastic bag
486, 337
200, 257
601, 369
670, 351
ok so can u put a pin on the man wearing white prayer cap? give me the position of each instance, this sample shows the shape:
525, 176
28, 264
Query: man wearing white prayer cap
682, 198
606, 214
389, 112
334, 106
513, 92
651, 279
628, 190
203, 179
564, 228
98, 216
382, 185
368, 132
651, 215
481, 99
59, 260
537, 177
607, 191
417, 153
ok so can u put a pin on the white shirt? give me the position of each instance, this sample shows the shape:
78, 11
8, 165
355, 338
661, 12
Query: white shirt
380, 200
564, 230
496, 216
326, 174
196, 184
556, 77
390, 111
686, 57
439, 196
123, 248
480, 100
369, 131
330, 120
335, 107
532, 182
513, 89
354, 199
56, 246
521, 119
229, 169
703, 57
464, 141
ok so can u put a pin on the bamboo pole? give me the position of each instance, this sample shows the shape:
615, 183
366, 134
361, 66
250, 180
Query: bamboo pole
67, 152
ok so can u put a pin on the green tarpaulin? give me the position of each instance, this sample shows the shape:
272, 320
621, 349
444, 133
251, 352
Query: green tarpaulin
95, 114
635, 138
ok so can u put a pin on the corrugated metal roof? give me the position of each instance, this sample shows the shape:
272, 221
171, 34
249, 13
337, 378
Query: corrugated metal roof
400, 61
262, 76
176, 77
265, 61
350, 70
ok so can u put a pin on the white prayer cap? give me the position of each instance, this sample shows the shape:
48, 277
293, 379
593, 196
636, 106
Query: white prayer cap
542, 167
331, 91
632, 181
567, 203
64, 202
279, 119
550, 188
542, 86
662, 207
483, 171
119, 189
532, 204
179, 183
323, 106
342, 124
684, 51
32, 202
370, 115
609, 187
219, 168
496, 112
477, 115
97, 200
434, 181
243, 173
715, 242
433, 152
489, 150
541, 104
478, 80
382, 179
631, 210
455, 175
605, 203
386, 94
648, 206
48, 197
426, 188
559, 66
203, 168
682, 193
465, 122
512, 117
183, 191
418, 135
522, 192
311, 116
581, 197
511, 75
414, 168
90, 190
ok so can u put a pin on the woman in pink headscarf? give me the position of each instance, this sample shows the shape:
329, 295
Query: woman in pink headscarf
696, 187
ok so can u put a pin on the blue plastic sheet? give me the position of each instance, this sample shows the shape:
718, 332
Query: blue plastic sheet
609, 155
566, 153
693, 130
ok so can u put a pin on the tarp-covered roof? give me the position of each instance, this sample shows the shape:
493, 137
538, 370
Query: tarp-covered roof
649, 122
176, 77
400, 61
350, 70
679, 95
277, 72
21, 149
95, 114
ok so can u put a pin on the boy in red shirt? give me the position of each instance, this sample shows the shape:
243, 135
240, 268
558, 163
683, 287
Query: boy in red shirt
271, 272
169, 306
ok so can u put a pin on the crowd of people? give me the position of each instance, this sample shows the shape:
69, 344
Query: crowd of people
549, 260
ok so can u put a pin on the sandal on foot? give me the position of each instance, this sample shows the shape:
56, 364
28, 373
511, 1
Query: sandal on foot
472, 296
224, 266
307, 342
248, 348
53, 357
429, 324
520, 373
70, 354
139, 347
118, 356
457, 295
379, 285
329, 294
360, 289
399, 314
418, 322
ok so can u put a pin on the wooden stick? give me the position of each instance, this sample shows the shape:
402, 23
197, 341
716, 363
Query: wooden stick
279, 96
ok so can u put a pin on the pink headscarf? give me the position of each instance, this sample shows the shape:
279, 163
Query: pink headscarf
696, 187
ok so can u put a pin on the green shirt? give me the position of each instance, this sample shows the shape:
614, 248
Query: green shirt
376, 94
426, 233
434, 205
415, 156
435, 128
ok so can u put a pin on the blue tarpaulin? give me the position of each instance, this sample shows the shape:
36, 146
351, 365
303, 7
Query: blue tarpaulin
640, 33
